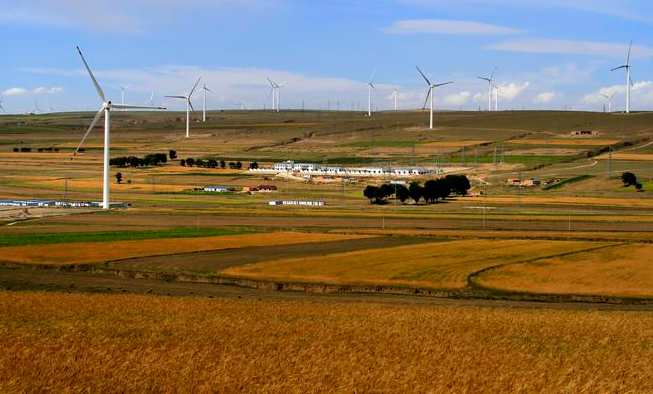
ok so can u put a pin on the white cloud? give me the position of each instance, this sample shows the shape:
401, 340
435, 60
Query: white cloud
451, 27
546, 97
509, 92
569, 47
14, 92
44, 90
458, 99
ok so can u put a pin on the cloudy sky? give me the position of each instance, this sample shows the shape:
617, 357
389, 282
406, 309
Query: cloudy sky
549, 54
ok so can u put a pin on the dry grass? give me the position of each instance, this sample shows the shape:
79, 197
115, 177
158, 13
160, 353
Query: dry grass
439, 265
93, 252
628, 157
569, 142
451, 144
127, 343
625, 270
565, 200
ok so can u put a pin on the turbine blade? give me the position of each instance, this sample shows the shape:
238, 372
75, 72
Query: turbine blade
484, 79
423, 76
193, 89
618, 68
93, 123
629, 50
446, 83
179, 97
372, 85
373, 75
428, 94
493, 72
191, 105
97, 86
121, 106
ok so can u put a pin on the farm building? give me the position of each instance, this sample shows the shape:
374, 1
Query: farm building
218, 189
523, 182
582, 133
296, 202
49, 203
267, 188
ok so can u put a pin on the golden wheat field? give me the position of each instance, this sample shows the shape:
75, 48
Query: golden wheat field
565, 142
628, 157
129, 343
93, 252
623, 270
435, 265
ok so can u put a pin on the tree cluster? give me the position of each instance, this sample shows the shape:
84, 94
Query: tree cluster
210, 163
25, 149
154, 159
630, 179
431, 192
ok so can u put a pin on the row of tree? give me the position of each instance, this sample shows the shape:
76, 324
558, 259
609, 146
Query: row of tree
431, 192
25, 149
153, 159
210, 163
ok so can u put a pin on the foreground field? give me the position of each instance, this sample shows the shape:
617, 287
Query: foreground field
128, 343
625, 270
434, 265
94, 252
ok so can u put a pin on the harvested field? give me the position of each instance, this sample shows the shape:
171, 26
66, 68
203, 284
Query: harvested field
94, 252
567, 142
433, 265
625, 270
628, 157
220, 259
452, 144
131, 343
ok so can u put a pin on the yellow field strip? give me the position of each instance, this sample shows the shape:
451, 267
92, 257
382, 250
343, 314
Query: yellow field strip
569, 142
433, 265
93, 252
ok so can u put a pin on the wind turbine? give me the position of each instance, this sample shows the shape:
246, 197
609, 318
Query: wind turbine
629, 81
489, 82
609, 98
370, 86
276, 93
106, 108
122, 89
496, 97
151, 99
1, 107
189, 105
241, 105
205, 89
36, 107
431, 93
395, 95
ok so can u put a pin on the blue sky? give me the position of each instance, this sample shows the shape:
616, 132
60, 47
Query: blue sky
550, 54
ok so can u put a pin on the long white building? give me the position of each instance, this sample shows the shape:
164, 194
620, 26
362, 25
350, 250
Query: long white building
290, 166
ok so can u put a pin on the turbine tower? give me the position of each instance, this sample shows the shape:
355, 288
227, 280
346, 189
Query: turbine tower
370, 86
609, 98
496, 97
189, 105
151, 100
1, 107
122, 89
489, 82
395, 95
106, 108
629, 81
431, 93
276, 93
204, 89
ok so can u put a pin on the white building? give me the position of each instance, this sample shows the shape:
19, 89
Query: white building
308, 169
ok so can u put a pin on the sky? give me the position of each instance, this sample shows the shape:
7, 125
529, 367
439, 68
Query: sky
548, 54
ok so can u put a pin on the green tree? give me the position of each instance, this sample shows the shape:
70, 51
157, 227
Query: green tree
172, 154
190, 162
402, 193
118, 177
415, 191
629, 179
253, 166
370, 192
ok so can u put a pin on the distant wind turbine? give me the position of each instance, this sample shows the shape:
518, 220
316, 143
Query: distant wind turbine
1, 107
204, 89
370, 86
106, 108
151, 99
629, 81
37, 110
496, 97
609, 98
189, 105
431, 93
276, 93
122, 89
489, 82
395, 95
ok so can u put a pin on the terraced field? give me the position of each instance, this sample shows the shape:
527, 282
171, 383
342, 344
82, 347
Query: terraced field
432, 265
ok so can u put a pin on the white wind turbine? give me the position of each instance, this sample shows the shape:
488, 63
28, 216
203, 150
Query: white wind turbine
276, 93
496, 97
122, 90
1, 107
431, 93
37, 110
489, 82
150, 101
395, 95
370, 86
609, 98
204, 89
106, 108
629, 81
189, 105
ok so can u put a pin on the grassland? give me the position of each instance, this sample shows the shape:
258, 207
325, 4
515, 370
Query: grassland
127, 343
434, 265
94, 252
623, 270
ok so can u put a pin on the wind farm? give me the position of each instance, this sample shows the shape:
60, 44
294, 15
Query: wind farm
474, 215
